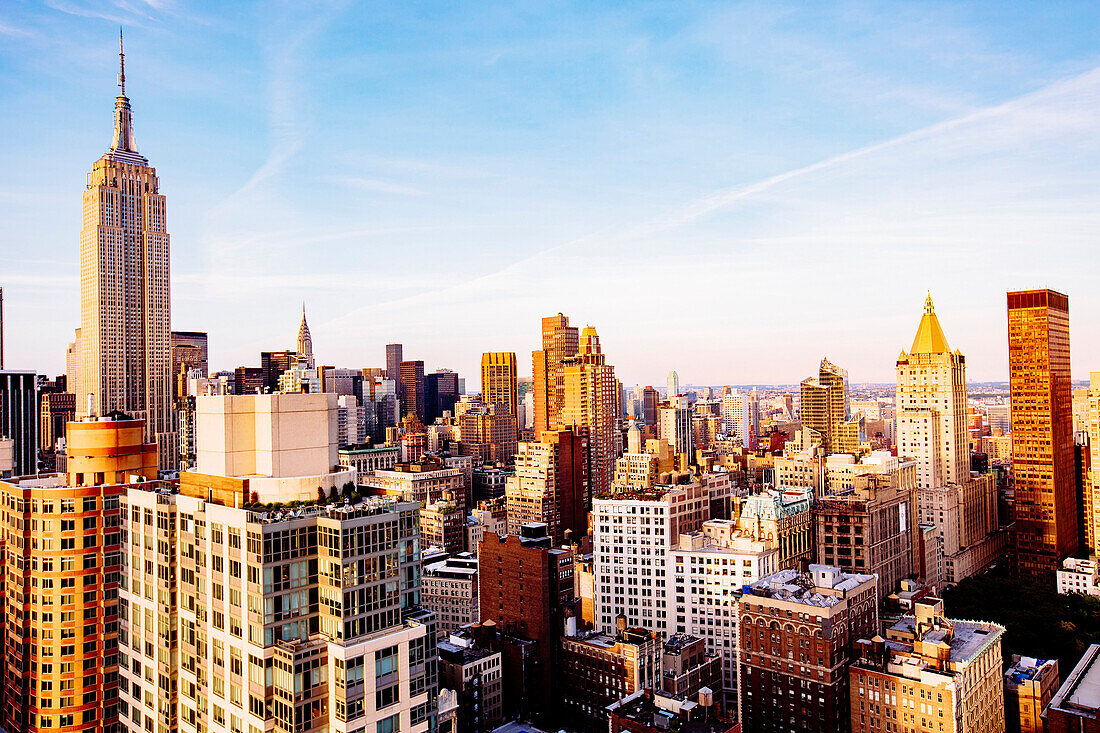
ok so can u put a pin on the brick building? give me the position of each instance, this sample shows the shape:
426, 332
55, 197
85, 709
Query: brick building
525, 587
796, 637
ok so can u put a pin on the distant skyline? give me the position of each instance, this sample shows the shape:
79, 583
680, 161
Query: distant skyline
730, 190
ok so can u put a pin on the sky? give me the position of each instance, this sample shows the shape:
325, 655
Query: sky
730, 190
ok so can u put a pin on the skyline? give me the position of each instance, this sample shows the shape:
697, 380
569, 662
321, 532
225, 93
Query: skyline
313, 212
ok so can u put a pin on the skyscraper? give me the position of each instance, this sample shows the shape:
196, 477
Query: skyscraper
550, 485
559, 342
1042, 430
1092, 509
498, 380
125, 302
411, 390
591, 400
305, 342
932, 430
440, 393
931, 404
825, 410
189, 351
393, 361
649, 406
672, 385
19, 418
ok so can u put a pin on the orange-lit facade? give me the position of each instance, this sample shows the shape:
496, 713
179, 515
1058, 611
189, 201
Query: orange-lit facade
498, 380
559, 342
591, 401
1042, 430
63, 566
107, 451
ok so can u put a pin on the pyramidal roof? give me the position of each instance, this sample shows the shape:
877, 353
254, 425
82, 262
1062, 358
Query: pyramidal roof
929, 338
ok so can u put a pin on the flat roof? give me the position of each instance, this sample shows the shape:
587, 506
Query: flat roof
1080, 694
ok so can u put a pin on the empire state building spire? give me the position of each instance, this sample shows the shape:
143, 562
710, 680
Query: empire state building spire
123, 146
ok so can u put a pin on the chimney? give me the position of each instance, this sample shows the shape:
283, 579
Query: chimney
91, 405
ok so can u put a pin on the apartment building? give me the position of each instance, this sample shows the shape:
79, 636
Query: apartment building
929, 672
449, 590
708, 570
632, 534
797, 632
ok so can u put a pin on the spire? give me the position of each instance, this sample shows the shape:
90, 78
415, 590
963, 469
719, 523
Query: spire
123, 147
121, 64
930, 338
305, 341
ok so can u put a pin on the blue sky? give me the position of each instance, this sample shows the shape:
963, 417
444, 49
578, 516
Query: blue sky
732, 190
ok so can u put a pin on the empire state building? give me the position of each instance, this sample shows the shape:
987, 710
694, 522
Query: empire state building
122, 352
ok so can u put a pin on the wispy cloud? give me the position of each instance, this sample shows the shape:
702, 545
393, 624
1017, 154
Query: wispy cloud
378, 186
913, 199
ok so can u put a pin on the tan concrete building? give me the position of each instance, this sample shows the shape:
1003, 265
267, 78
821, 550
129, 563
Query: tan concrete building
929, 673
635, 470
931, 404
632, 534
266, 448
487, 433
123, 349
1092, 507
422, 481
824, 411
550, 485
965, 518
932, 430
708, 570
449, 590
804, 469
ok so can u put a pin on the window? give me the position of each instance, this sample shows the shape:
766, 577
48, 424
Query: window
391, 724
385, 662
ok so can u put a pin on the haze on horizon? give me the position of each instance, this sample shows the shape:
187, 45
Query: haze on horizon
732, 191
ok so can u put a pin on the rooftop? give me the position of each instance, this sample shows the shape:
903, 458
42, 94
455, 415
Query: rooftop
462, 650
823, 586
1028, 668
966, 641
1080, 694
669, 714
